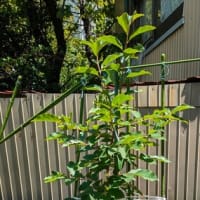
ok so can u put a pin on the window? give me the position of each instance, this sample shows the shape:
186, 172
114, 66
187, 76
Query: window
164, 14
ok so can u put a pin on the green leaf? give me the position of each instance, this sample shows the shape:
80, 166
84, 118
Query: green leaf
90, 44
86, 70
96, 88
116, 193
120, 162
139, 73
132, 52
153, 158
136, 114
115, 66
125, 21
120, 99
111, 58
91, 197
160, 158
95, 46
143, 173
47, 117
81, 70
73, 142
129, 139
110, 39
181, 108
137, 16
56, 135
141, 30
72, 168
92, 71
122, 151
54, 177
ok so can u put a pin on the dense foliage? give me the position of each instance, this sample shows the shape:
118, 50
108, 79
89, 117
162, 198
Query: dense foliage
38, 38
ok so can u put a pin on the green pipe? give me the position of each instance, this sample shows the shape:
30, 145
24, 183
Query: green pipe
82, 101
163, 74
48, 107
160, 63
16, 89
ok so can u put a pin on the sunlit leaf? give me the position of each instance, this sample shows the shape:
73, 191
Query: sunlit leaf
120, 99
136, 16
124, 21
72, 167
129, 139
122, 151
47, 117
54, 177
141, 30
136, 114
143, 173
139, 73
153, 158
56, 135
95, 46
96, 88
131, 51
110, 39
181, 108
111, 58
81, 70
86, 70
73, 142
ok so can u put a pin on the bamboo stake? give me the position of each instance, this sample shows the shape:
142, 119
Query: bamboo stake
16, 89
48, 107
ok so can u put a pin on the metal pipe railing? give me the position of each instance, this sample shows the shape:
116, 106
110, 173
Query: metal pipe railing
166, 62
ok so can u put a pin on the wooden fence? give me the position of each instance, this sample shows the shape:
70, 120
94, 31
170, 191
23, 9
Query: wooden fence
27, 158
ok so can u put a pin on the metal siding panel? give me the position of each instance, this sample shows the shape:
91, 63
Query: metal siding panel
35, 157
182, 44
197, 166
52, 152
192, 154
21, 153
35, 102
60, 109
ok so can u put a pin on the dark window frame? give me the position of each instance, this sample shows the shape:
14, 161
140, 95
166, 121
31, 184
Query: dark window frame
176, 15
165, 28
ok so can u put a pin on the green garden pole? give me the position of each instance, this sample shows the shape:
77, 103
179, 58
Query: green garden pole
162, 78
48, 107
16, 89
82, 101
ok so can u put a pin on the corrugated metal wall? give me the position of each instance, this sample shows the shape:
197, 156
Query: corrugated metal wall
184, 43
27, 158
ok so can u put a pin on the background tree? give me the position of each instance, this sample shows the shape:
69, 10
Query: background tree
35, 34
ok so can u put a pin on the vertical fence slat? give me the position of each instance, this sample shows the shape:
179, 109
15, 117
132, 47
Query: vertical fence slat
197, 168
21, 152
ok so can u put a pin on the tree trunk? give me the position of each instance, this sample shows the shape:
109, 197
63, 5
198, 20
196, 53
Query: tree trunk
53, 74
37, 25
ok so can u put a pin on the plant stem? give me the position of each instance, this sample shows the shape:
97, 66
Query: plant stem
16, 89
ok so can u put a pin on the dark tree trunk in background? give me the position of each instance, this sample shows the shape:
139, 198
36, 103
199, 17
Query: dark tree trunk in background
53, 74
54, 60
